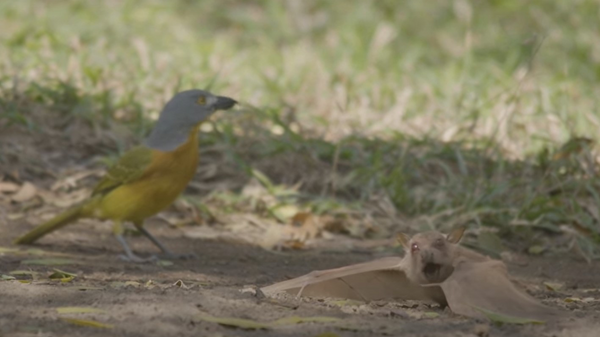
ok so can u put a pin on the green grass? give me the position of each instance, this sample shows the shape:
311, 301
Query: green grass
448, 112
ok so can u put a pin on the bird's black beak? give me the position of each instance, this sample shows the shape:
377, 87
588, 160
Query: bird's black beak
224, 103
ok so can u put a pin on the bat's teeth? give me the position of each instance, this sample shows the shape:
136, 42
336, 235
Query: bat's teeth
431, 269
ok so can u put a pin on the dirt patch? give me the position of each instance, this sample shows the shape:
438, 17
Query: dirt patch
147, 300
176, 299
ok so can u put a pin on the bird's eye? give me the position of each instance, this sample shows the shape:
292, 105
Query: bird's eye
414, 247
201, 100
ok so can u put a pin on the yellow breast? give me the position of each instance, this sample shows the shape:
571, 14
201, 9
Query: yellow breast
165, 178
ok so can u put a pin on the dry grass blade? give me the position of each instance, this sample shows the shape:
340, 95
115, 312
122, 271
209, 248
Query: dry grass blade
79, 310
25, 193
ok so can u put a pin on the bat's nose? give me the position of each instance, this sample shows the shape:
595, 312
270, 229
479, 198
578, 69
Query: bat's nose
426, 256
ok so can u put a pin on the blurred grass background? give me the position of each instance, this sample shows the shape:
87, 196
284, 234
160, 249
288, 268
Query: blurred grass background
417, 114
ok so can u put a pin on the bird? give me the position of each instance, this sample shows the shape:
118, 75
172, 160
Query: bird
149, 177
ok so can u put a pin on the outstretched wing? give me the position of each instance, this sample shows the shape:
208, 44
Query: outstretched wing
485, 285
131, 166
369, 281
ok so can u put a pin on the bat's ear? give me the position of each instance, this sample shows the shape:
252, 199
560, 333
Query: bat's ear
456, 234
403, 239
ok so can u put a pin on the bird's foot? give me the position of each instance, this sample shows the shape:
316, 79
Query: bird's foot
137, 259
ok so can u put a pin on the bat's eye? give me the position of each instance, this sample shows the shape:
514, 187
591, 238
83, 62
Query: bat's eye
414, 247
439, 243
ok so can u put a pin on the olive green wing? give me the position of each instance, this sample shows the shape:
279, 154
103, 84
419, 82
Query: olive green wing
131, 166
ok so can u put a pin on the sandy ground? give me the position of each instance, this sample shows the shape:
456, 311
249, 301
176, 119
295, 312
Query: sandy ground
179, 299
212, 284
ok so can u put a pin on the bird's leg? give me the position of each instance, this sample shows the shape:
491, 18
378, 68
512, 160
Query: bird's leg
166, 251
129, 255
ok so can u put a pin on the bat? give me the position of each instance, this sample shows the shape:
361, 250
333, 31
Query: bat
436, 269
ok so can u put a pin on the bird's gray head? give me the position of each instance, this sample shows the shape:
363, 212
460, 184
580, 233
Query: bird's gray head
181, 114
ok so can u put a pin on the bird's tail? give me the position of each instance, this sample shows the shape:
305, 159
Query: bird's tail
55, 223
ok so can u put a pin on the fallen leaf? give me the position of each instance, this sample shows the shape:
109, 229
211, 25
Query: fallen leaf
87, 322
291, 320
256, 230
284, 212
8, 187
180, 284
49, 262
65, 273
305, 226
24, 273
505, 319
553, 286
35, 251
7, 250
64, 200
15, 216
536, 250
431, 314
72, 180
344, 303
272, 238
572, 299
26, 192
164, 263
63, 279
63, 276
7, 277
133, 284
79, 310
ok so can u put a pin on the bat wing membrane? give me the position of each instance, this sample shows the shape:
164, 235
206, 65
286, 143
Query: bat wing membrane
486, 285
369, 281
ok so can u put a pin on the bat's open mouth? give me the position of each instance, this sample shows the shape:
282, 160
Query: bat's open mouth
431, 269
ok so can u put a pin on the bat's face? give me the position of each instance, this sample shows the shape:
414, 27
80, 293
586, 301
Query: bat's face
431, 254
